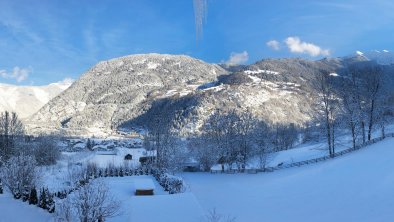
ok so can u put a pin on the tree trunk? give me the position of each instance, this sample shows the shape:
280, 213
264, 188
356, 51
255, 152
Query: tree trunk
363, 130
370, 120
353, 134
333, 139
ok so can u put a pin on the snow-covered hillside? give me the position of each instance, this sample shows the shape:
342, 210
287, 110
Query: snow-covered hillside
355, 187
118, 90
26, 100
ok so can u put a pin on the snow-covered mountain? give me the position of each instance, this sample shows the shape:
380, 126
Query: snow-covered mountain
120, 89
383, 57
130, 90
26, 100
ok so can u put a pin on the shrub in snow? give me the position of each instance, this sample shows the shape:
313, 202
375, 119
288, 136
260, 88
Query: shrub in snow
46, 151
170, 183
214, 216
64, 211
62, 194
93, 202
19, 173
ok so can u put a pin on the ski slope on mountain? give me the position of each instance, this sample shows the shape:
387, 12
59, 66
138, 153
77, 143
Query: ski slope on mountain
355, 187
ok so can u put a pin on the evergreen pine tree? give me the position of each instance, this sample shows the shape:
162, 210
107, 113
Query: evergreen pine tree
25, 194
33, 196
47, 198
50, 203
43, 199
89, 145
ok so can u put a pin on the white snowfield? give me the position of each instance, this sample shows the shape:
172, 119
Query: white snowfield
355, 187
17, 211
161, 207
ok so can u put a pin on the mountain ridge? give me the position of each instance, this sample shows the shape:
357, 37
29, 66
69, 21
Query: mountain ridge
129, 91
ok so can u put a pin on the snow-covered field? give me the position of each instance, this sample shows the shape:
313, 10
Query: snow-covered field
355, 187
18, 211
161, 207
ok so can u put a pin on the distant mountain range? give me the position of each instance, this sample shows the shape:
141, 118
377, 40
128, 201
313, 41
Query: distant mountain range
128, 91
26, 100
383, 57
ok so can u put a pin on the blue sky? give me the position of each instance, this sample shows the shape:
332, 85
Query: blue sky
48, 40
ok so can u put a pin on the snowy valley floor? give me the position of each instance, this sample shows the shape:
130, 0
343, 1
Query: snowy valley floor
355, 187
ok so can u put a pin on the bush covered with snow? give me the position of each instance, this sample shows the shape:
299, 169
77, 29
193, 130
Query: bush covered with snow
170, 183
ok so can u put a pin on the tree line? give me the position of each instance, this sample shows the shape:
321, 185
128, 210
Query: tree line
358, 101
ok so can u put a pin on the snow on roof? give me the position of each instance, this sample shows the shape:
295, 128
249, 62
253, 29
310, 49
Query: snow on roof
144, 184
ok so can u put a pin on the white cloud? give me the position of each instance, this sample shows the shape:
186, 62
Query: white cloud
273, 44
17, 73
238, 58
295, 45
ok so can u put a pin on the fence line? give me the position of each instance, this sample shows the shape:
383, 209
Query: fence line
310, 161
315, 160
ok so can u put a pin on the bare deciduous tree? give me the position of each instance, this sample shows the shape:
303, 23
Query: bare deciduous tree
329, 105
373, 88
11, 129
263, 139
160, 137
